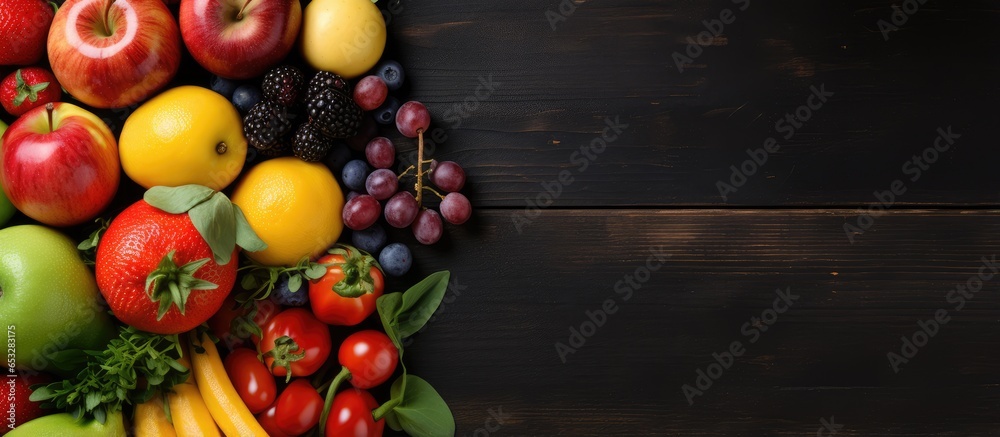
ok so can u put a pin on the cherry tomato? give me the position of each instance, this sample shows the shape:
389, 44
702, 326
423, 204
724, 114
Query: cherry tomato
351, 415
268, 421
346, 294
251, 378
370, 356
233, 335
294, 340
298, 408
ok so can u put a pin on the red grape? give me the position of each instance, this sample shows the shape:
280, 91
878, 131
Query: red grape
382, 184
455, 208
428, 227
412, 117
401, 209
448, 176
380, 152
361, 212
370, 92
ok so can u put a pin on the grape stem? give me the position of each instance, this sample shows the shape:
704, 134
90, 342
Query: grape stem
420, 167
406, 172
435, 192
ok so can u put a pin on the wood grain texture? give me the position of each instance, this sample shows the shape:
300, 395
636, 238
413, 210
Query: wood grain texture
614, 59
493, 346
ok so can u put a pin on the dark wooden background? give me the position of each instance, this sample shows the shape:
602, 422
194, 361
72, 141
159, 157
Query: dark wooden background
525, 278
493, 347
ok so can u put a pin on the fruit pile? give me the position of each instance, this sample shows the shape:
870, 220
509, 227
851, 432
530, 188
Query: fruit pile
227, 298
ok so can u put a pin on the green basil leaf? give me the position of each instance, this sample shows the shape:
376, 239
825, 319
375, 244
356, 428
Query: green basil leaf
392, 421
388, 306
422, 413
420, 302
245, 236
177, 200
216, 222
315, 271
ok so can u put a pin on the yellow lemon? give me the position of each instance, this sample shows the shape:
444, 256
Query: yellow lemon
346, 37
187, 135
296, 207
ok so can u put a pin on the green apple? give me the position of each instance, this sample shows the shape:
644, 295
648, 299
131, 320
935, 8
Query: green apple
64, 425
6, 208
49, 300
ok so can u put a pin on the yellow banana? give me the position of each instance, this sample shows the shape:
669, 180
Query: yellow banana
187, 409
151, 420
229, 411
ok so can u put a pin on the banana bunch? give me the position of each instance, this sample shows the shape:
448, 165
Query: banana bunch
206, 404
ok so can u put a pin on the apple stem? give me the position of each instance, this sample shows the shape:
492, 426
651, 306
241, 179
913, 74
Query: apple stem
239, 16
49, 107
107, 14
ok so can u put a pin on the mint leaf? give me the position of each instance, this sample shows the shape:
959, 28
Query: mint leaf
177, 200
216, 222
245, 236
422, 412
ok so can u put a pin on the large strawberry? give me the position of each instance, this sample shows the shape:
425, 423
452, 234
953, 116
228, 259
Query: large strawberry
27, 89
24, 27
166, 263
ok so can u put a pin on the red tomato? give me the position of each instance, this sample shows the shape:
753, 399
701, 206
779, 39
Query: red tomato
354, 275
351, 415
232, 336
370, 356
268, 421
251, 378
298, 408
295, 340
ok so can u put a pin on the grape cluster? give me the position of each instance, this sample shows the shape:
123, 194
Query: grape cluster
377, 192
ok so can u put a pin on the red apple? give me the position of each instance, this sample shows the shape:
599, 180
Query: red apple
239, 39
114, 53
59, 164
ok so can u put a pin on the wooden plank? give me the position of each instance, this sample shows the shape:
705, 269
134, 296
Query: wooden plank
493, 346
554, 90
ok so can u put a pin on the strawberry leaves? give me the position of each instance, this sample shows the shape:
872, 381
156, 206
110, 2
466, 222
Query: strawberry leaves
25, 91
172, 285
221, 223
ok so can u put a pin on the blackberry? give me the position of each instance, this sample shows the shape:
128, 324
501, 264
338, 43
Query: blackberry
334, 114
284, 85
310, 144
265, 124
325, 80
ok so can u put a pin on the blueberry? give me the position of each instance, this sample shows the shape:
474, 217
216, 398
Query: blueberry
245, 97
224, 86
395, 259
355, 174
284, 296
386, 114
391, 73
370, 240
338, 157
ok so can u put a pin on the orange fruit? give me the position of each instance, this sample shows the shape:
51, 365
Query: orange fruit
295, 206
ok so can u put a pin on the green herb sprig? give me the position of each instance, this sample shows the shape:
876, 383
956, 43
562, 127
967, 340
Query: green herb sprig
129, 370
